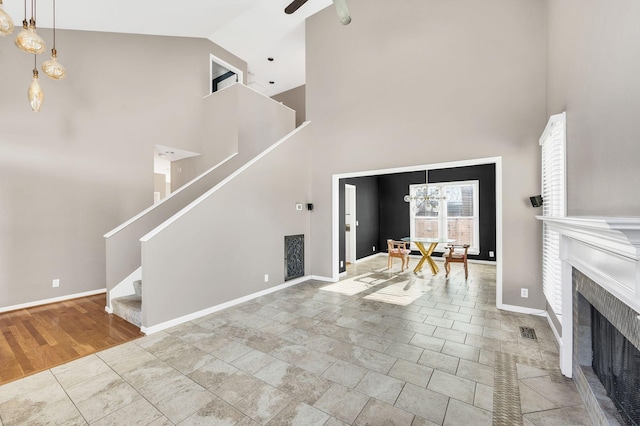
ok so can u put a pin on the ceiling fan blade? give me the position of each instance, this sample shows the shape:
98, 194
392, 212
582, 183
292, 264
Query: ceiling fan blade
293, 6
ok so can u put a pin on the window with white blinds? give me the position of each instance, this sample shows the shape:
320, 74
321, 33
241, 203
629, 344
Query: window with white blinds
553, 141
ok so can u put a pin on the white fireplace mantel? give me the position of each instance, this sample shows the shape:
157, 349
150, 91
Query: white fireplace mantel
617, 234
607, 250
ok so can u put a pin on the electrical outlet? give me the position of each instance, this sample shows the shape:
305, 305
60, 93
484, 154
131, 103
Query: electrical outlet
491, 254
374, 248
56, 283
342, 263
524, 292
266, 278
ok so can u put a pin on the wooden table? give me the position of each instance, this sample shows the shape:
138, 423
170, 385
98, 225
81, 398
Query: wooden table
426, 252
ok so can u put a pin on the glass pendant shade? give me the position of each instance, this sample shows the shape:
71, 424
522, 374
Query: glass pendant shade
343, 11
35, 93
52, 68
29, 41
6, 23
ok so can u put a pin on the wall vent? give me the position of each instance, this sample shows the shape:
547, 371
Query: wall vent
293, 256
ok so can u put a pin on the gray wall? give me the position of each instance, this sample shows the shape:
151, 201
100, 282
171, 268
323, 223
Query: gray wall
84, 164
593, 69
296, 100
258, 121
160, 184
432, 82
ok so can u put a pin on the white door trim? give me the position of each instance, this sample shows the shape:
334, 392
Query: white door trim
214, 58
335, 256
351, 241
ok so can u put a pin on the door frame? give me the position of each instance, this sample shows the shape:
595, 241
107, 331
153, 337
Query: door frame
335, 257
350, 196
213, 58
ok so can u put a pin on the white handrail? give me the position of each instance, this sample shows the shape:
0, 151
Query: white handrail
150, 208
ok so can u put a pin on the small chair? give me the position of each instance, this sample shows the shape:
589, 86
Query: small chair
398, 249
454, 256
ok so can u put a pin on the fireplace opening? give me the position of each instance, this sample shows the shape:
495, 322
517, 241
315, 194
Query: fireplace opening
616, 363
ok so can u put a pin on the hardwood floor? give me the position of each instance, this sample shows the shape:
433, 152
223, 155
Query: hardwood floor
42, 337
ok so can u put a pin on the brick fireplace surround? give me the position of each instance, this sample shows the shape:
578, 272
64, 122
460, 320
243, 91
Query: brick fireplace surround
600, 267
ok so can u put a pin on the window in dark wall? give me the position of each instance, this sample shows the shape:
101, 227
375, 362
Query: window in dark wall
486, 175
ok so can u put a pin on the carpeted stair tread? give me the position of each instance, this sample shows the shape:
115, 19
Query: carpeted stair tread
129, 308
137, 287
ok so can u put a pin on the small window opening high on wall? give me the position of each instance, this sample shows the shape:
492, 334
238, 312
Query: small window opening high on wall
223, 74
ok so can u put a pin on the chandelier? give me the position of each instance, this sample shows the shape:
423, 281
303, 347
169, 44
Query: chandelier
30, 42
426, 199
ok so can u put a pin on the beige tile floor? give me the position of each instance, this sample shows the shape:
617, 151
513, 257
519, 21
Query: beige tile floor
377, 348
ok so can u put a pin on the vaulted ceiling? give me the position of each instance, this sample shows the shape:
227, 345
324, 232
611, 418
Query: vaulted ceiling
253, 30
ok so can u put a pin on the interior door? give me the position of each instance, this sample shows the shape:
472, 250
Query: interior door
350, 223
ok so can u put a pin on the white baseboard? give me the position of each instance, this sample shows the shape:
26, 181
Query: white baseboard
362, 259
522, 309
553, 328
204, 312
53, 300
325, 279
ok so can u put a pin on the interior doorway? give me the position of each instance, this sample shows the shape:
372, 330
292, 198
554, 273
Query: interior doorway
350, 223
337, 232
223, 74
163, 156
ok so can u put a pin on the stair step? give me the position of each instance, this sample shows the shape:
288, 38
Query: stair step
128, 308
137, 287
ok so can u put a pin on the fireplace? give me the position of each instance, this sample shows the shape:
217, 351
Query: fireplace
599, 326
606, 353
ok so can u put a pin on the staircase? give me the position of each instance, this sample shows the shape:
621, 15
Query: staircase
130, 307
242, 126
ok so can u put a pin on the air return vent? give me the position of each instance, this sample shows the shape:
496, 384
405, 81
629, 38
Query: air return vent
528, 333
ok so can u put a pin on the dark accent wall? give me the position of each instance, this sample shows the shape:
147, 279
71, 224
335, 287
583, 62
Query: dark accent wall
486, 175
394, 211
367, 215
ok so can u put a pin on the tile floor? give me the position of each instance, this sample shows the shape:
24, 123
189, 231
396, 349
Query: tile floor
377, 348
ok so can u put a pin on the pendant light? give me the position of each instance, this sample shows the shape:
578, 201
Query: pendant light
52, 68
6, 23
27, 40
343, 11
35, 93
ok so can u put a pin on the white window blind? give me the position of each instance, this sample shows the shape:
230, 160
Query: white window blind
553, 141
